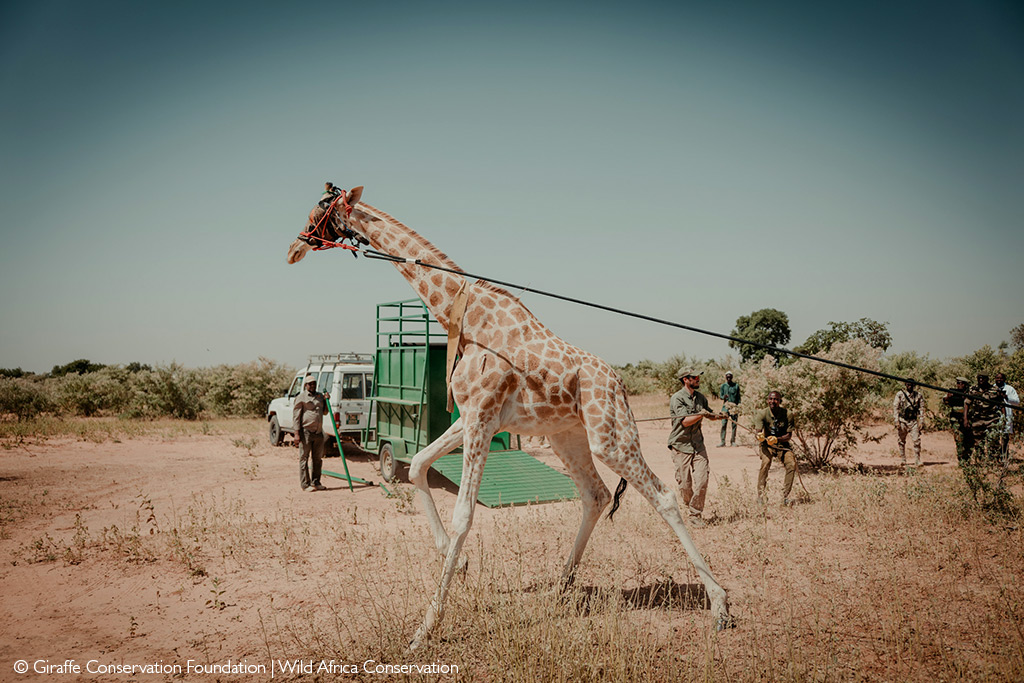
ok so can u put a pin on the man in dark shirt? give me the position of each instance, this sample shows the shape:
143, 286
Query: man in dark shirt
962, 436
729, 392
775, 434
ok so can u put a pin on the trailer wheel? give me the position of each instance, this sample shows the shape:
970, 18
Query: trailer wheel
388, 464
276, 436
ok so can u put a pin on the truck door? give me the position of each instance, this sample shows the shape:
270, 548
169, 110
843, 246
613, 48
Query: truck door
324, 385
354, 406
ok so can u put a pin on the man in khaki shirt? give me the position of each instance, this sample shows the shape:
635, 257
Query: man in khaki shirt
308, 419
688, 407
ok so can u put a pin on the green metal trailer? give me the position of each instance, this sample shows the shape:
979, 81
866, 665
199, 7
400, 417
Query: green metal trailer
410, 394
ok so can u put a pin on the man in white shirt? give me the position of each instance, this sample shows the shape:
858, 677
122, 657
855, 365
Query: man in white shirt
1012, 399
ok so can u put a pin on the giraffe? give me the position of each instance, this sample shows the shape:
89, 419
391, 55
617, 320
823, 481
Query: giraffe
515, 375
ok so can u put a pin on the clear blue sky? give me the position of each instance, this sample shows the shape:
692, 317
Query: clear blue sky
691, 161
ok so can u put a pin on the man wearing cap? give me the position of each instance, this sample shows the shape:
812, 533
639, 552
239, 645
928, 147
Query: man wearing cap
961, 434
983, 411
907, 415
688, 407
1012, 399
729, 392
308, 418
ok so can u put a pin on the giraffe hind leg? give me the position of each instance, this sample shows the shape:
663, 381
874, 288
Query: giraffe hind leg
615, 442
573, 449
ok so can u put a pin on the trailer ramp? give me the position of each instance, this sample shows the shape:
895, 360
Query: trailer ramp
512, 478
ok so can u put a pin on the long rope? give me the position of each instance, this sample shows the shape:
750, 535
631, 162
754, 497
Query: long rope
373, 254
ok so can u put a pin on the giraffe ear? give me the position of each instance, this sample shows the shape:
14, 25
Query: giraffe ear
353, 195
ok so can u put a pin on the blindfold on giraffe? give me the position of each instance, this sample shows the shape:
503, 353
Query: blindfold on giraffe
329, 220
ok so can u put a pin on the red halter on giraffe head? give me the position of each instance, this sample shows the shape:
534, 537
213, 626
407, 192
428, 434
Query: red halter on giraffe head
514, 375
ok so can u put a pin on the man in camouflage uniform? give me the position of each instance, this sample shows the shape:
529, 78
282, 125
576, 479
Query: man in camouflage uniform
962, 436
983, 415
907, 414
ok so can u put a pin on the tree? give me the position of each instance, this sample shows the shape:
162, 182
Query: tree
79, 367
1017, 337
876, 334
767, 326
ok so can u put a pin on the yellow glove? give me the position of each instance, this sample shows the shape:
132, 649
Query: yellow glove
760, 436
772, 440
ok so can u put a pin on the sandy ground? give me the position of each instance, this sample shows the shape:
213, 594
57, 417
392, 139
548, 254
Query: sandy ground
84, 578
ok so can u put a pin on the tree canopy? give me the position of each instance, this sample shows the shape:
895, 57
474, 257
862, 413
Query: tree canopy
876, 334
766, 326
81, 366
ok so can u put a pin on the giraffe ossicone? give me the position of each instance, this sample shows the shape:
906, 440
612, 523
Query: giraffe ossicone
515, 375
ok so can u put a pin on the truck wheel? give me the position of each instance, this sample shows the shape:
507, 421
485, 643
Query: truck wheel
276, 436
388, 464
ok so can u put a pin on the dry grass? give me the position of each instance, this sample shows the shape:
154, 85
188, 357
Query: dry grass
874, 579
868, 578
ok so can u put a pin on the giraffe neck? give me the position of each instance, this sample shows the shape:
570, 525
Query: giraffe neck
437, 288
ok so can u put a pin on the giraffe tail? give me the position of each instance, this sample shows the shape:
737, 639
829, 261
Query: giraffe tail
619, 490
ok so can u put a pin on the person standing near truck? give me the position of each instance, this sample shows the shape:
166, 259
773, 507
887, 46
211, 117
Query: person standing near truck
308, 419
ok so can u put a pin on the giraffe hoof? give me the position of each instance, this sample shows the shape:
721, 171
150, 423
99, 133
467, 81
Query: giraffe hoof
416, 642
724, 622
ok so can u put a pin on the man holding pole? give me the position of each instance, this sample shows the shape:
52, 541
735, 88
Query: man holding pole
907, 415
308, 418
775, 433
688, 407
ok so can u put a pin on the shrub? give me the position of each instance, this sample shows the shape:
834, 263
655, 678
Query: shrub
172, 390
23, 398
828, 403
246, 389
104, 391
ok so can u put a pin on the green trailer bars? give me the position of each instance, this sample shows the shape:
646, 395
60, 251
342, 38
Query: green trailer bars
341, 452
410, 392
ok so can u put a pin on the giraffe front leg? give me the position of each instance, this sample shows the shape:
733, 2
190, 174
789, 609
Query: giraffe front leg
462, 520
421, 463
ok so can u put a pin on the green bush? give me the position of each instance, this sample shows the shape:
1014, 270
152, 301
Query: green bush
829, 404
23, 398
169, 390
245, 390
105, 391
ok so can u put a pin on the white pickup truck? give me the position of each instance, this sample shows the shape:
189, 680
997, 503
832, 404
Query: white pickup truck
347, 378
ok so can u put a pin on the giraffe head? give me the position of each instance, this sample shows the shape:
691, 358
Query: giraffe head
326, 220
